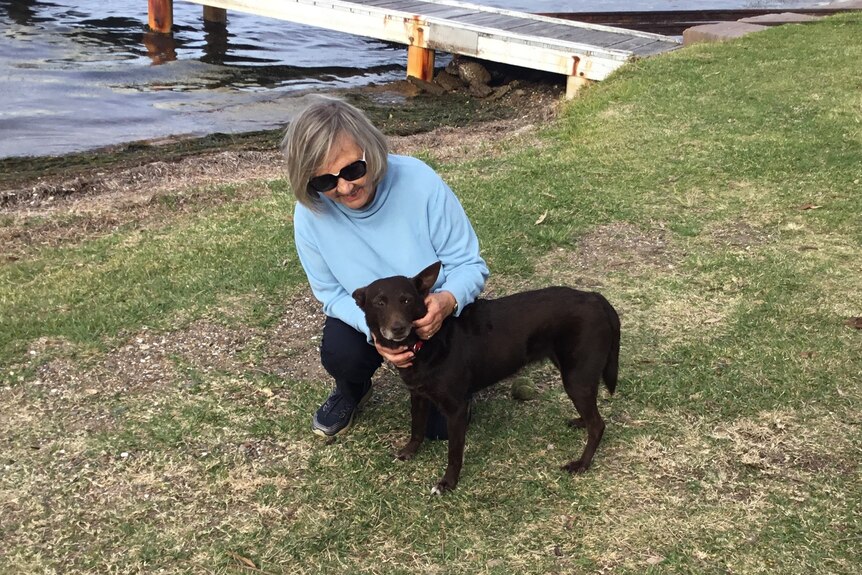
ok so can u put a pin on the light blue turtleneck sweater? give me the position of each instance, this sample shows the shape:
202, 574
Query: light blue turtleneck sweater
413, 221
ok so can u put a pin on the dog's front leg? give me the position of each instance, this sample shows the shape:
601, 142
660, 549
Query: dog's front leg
456, 427
418, 422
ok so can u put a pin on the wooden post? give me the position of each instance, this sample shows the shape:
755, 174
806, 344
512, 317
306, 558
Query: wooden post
215, 35
161, 15
420, 63
420, 60
574, 85
215, 15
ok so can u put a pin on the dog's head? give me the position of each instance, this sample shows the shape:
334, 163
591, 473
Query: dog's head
392, 304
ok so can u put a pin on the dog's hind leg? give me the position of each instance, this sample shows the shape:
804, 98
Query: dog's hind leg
418, 421
582, 385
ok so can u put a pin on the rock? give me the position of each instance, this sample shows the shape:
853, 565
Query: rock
500, 92
452, 66
481, 90
429, 87
448, 82
779, 19
473, 72
720, 32
470, 71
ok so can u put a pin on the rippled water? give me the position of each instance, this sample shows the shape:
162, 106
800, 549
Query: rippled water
85, 74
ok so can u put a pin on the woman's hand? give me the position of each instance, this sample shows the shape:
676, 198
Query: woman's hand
399, 357
440, 306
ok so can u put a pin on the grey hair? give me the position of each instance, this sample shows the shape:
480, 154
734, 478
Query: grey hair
309, 139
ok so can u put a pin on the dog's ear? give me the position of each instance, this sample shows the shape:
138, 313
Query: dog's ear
426, 278
359, 297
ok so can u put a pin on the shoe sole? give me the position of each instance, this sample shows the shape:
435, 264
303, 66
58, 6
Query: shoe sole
360, 405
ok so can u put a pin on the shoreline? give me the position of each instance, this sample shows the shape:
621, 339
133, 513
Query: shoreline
50, 202
399, 108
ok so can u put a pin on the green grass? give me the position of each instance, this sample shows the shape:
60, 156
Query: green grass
88, 292
158, 382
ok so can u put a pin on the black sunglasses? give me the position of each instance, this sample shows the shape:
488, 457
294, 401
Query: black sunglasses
327, 182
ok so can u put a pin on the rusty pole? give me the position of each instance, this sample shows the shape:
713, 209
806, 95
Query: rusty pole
420, 63
161, 15
420, 59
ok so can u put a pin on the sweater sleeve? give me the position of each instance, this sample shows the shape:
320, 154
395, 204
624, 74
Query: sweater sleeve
336, 301
457, 246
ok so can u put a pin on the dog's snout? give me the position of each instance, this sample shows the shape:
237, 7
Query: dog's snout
397, 330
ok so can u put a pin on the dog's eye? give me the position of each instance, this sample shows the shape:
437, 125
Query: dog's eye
380, 302
405, 300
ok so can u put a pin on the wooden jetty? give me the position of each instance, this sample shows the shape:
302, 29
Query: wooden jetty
583, 52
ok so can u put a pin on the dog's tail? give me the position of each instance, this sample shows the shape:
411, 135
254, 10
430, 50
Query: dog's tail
611, 370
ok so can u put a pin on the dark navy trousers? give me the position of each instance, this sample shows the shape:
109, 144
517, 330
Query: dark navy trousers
348, 357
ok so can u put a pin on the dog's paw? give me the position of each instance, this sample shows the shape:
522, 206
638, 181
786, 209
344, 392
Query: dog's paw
441, 488
445, 484
575, 467
407, 452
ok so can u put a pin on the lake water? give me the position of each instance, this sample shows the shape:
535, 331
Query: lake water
77, 75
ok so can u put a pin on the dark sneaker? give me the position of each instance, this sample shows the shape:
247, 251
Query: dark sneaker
336, 414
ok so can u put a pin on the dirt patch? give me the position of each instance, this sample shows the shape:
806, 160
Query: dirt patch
291, 347
155, 361
100, 190
618, 246
742, 235
486, 139
151, 361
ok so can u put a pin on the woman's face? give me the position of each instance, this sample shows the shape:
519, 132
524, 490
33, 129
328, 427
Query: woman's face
355, 194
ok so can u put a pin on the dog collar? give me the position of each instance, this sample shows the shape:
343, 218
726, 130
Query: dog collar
417, 346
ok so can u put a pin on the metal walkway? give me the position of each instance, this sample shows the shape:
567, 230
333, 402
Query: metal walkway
580, 51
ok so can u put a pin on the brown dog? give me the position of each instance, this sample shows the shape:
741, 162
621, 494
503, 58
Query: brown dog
489, 341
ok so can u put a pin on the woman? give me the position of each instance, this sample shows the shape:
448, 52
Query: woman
363, 214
